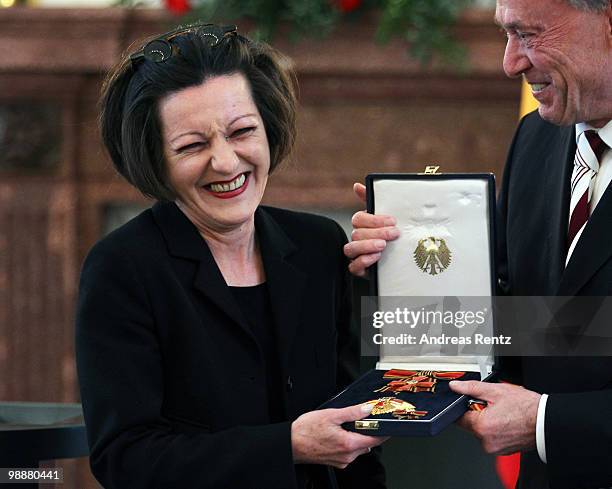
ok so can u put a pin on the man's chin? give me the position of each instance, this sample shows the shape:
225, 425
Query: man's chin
549, 114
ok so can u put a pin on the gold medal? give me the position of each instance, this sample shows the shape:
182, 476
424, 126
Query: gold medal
393, 405
409, 414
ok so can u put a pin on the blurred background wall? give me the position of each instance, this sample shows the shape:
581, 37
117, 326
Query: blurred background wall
364, 108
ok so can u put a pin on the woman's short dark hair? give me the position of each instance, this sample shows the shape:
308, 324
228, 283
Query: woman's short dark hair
129, 116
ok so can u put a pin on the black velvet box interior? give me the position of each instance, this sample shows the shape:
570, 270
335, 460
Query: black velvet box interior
443, 406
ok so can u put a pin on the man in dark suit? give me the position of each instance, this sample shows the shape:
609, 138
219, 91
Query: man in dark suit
554, 229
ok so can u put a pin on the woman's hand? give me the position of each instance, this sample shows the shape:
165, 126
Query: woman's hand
317, 437
369, 237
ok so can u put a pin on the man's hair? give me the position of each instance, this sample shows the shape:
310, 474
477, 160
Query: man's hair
129, 115
591, 5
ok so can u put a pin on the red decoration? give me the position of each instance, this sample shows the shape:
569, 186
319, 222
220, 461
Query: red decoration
348, 5
397, 373
508, 469
178, 6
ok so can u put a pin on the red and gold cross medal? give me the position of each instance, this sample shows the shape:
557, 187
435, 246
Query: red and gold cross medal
415, 380
398, 408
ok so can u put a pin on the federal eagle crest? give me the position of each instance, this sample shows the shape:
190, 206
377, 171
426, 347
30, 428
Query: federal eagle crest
432, 255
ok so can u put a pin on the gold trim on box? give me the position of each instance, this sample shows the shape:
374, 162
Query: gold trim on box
366, 425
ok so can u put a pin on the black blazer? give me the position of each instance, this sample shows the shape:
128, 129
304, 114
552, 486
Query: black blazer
172, 379
533, 216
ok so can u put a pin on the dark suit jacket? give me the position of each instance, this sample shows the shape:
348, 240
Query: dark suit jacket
533, 217
171, 377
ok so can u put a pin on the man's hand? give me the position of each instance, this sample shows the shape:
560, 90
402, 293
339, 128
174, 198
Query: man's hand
317, 437
508, 423
369, 238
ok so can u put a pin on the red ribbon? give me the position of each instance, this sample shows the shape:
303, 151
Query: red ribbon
508, 469
397, 373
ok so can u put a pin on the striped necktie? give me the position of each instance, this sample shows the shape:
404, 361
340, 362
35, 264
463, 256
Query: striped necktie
586, 165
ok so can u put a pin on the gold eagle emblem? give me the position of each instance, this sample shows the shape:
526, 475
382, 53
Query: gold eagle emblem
432, 255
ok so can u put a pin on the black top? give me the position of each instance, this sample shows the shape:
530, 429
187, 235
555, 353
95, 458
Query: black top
157, 326
254, 302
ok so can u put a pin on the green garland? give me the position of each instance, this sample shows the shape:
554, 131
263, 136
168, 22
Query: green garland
426, 25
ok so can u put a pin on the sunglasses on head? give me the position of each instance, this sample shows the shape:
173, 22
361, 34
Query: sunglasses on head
161, 49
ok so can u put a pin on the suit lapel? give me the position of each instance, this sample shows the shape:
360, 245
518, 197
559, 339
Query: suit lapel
184, 241
591, 251
593, 248
558, 193
285, 281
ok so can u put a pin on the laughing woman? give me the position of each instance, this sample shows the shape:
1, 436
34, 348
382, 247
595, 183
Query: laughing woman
210, 327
